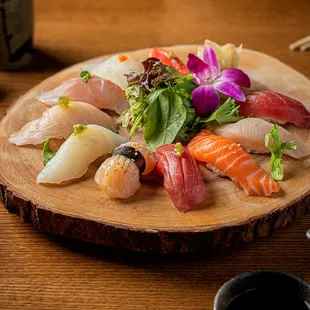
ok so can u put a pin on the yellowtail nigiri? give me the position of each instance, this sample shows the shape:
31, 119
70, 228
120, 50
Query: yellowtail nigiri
119, 175
250, 133
98, 92
58, 121
84, 146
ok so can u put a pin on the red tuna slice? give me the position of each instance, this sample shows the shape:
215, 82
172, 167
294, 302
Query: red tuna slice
275, 107
182, 178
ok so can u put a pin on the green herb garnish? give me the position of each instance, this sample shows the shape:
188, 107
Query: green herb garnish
78, 129
277, 149
64, 102
47, 152
85, 75
178, 150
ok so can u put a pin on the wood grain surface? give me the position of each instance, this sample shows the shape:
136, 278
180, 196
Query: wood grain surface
45, 272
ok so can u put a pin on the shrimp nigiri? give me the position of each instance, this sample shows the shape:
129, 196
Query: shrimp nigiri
182, 178
98, 92
275, 107
116, 68
250, 133
119, 175
57, 122
85, 145
231, 160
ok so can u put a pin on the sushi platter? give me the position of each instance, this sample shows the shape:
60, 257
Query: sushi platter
57, 172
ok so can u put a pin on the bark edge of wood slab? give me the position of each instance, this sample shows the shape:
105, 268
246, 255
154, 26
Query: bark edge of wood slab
80, 211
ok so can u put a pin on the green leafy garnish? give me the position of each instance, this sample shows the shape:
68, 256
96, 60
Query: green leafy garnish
85, 75
47, 152
64, 102
78, 129
277, 149
178, 150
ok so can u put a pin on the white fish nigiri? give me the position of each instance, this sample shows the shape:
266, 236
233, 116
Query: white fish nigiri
57, 122
98, 92
118, 177
250, 133
84, 146
116, 68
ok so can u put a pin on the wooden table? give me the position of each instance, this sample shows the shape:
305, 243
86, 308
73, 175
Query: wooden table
39, 271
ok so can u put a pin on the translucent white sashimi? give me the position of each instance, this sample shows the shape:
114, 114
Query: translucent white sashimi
102, 94
116, 68
250, 133
118, 177
84, 146
57, 122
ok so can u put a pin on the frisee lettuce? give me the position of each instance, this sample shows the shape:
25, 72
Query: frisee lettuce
277, 149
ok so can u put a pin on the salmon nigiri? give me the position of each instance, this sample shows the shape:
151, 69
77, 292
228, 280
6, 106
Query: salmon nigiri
98, 92
231, 160
57, 122
182, 178
275, 107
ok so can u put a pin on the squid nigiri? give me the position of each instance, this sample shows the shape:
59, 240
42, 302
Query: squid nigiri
250, 133
57, 122
275, 107
98, 92
182, 178
231, 160
119, 175
85, 145
116, 68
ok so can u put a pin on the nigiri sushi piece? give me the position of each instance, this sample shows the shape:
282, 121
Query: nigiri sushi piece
275, 107
182, 177
57, 122
250, 133
170, 59
85, 145
98, 92
119, 175
116, 69
227, 157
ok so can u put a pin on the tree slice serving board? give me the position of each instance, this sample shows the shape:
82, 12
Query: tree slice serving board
148, 221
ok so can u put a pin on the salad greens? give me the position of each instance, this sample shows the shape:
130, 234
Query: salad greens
277, 149
160, 101
47, 152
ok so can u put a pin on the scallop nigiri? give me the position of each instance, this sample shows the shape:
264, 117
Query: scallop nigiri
116, 68
98, 92
85, 145
231, 160
275, 107
57, 122
119, 175
250, 133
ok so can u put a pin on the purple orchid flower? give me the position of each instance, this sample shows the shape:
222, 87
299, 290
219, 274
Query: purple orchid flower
211, 81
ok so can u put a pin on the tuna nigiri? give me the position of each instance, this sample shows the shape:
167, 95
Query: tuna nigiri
250, 133
182, 178
57, 122
98, 92
85, 145
169, 59
231, 160
116, 68
275, 107
119, 175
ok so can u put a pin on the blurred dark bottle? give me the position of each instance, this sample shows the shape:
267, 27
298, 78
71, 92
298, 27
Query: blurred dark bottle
16, 33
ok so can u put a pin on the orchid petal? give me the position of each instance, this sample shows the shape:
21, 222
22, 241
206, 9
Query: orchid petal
236, 76
198, 67
205, 100
209, 58
230, 89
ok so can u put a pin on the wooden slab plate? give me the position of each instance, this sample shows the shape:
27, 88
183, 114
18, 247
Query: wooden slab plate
148, 221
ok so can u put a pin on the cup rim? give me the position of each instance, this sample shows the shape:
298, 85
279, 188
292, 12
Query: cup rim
253, 273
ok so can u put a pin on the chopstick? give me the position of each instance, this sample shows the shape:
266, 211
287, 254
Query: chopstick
301, 44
